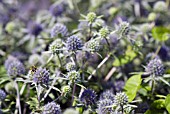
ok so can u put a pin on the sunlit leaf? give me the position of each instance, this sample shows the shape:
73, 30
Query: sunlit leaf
167, 103
132, 86
160, 33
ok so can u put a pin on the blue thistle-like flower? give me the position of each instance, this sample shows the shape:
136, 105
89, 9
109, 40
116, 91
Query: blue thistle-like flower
15, 68
123, 29
108, 94
93, 45
119, 85
121, 99
103, 107
52, 108
74, 43
55, 46
155, 67
9, 61
41, 76
70, 66
73, 76
56, 10
2, 95
88, 97
57, 29
34, 28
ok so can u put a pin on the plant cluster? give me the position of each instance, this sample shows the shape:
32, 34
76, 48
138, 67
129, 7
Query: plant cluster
84, 57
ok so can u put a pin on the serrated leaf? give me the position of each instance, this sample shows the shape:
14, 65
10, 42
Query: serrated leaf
160, 33
132, 86
167, 103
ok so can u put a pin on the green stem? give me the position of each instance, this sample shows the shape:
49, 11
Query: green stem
90, 31
122, 109
59, 60
75, 60
38, 95
152, 86
74, 89
108, 43
18, 104
156, 53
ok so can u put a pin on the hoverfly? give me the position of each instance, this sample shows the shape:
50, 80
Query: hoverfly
33, 69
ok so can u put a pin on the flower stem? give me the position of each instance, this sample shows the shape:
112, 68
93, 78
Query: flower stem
152, 86
75, 60
74, 89
59, 60
108, 44
18, 105
122, 109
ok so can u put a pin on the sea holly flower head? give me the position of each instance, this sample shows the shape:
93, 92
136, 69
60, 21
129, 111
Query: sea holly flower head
57, 29
123, 30
73, 76
105, 107
104, 32
70, 66
74, 43
56, 46
155, 67
93, 45
91, 17
108, 94
41, 76
52, 108
15, 68
88, 97
121, 99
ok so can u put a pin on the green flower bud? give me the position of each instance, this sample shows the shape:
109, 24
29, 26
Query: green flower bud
152, 16
70, 66
123, 29
91, 17
66, 89
55, 45
104, 32
160, 6
73, 76
93, 45
10, 27
70, 111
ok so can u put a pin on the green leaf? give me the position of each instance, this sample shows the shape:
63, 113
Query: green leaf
158, 104
160, 33
124, 59
167, 103
153, 111
132, 86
